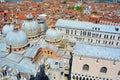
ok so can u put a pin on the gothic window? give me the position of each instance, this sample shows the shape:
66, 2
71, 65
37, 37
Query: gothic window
119, 73
85, 67
103, 70
73, 77
80, 78
76, 77
83, 78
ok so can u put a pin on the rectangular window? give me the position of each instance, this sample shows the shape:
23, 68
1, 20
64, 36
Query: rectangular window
48, 52
114, 37
100, 35
105, 42
51, 53
117, 43
118, 37
81, 33
96, 35
106, 36
99, 41
91, 40
112, 42
71, 31
98, 29
89, 34
88, 40
93, 34
67, 31
75, 32
84, 33
56, 63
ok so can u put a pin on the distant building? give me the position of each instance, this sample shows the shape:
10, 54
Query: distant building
2, 1
106, 0
96, 49
90, 33
95, 63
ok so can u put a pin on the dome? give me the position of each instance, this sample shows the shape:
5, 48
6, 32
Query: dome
30, 28
53, 35
16, 38
7, 28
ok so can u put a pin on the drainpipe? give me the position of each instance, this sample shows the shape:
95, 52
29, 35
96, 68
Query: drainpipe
10, 49
70, 64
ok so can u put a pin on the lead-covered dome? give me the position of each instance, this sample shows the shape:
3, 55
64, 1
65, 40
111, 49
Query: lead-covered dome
53, 35
16, 39
7, 28
30, 27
